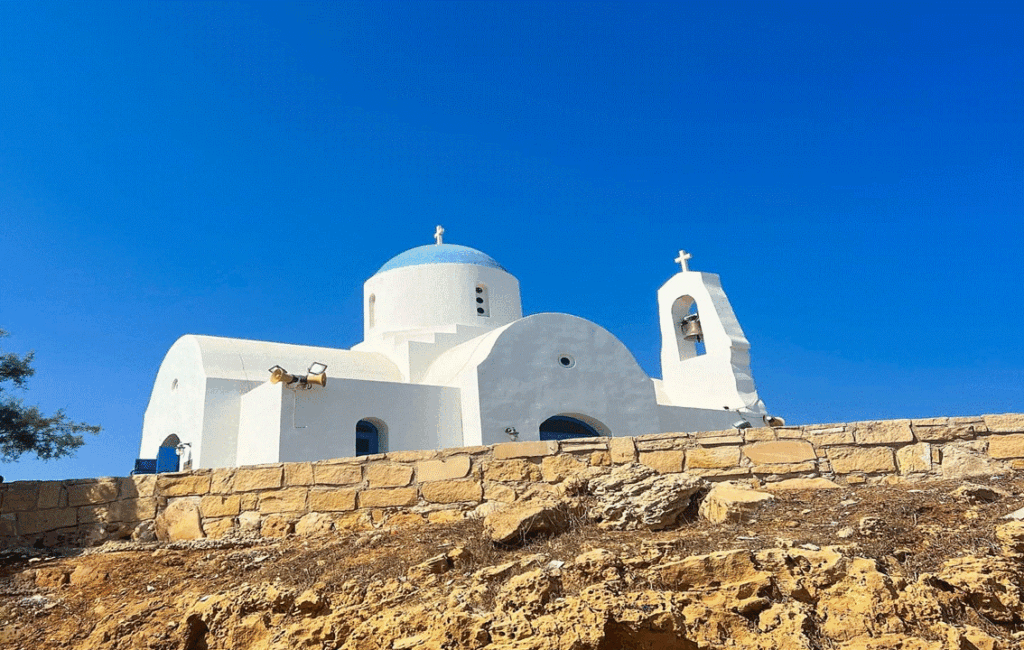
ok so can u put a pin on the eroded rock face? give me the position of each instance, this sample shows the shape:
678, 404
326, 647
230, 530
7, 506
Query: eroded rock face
636, 497
516, 522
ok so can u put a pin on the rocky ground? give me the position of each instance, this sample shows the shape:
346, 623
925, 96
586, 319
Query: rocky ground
906, 566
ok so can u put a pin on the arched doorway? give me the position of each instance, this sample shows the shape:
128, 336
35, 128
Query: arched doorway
167, 456
371, 437
566, 427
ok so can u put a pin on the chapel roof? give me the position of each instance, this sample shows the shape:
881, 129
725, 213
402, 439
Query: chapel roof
440, 254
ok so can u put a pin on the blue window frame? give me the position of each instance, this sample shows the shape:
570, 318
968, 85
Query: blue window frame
563, 427
367, 438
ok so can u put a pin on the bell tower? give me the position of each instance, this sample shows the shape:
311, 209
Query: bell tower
705, 358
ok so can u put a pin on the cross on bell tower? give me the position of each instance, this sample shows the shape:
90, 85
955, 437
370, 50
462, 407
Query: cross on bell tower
682, 260
438, 235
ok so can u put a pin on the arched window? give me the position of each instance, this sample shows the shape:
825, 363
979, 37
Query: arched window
566, 427
483, 303
371, 306
371, 437
689, 331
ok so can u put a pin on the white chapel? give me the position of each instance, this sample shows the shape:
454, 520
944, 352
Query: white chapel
449, 360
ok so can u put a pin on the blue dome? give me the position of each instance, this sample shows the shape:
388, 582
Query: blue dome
440, 254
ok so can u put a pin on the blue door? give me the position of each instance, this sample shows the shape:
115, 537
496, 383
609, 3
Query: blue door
167, 460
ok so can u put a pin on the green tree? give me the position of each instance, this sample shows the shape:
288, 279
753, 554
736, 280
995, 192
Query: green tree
23, 429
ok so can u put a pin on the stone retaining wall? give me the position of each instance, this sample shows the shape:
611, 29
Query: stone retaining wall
444, 485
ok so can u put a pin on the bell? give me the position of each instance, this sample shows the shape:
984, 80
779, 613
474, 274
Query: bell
691, 328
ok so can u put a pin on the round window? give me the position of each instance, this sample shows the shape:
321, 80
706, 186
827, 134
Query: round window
566, 361
479, 310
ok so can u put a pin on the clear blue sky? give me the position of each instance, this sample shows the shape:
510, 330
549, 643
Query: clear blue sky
854, 172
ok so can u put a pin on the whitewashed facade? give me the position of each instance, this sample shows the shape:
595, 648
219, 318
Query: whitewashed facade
448, 360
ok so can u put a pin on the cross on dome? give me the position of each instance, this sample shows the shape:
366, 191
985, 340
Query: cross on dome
438, 235
682, 260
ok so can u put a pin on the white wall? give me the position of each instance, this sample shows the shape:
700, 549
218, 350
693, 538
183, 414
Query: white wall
321, 422
261, 419
435, 296
177, 403
521, 382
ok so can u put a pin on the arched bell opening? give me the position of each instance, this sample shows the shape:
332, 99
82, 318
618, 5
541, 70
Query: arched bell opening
569, 426
371, 437
688, 328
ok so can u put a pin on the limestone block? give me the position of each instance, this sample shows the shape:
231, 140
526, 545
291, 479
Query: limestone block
92, 514
591, 444
220, 506
555, 469
622, 450
855, 479
732, 504
464, 451
779, 451
660, 444
182, 484
411, 456
717, 441
337, 474
600, 459
179, 521
388, 498
50, 493
249, 521
443, 470
914, 458
499, 492
249, 501
713, 458
284, 500
380, 475
846, 460
21, 496
131, 510
719, 474
248, 479
314, 524
504, 450
1005, 423
515, 470
802, 484
882, 432
946, 429
1006, 446
298, 474
452, 491
93, 492
277, 525
663, 462
819, 429
759, 435
820, 440
40, 521
217, 528
332, 500
8, 525
785, 433
785, 468
140, 485
222, 480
